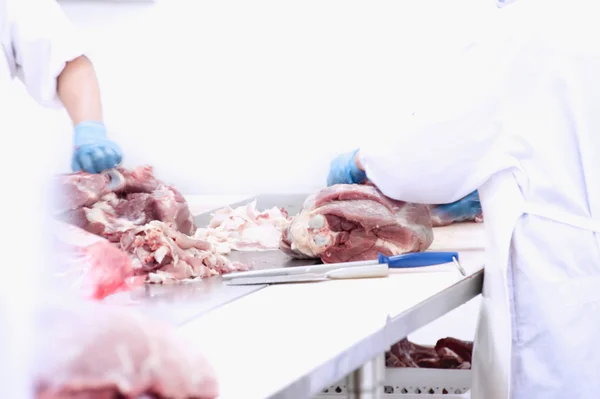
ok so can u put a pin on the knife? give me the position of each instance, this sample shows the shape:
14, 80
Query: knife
116, 179
410, 260
372, 271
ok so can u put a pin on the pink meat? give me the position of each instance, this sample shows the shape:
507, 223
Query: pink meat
356, 222
80, 189
86, 201
448, 353
146, 219
245, 228
164, 203
98, 352
98, 267
165, 254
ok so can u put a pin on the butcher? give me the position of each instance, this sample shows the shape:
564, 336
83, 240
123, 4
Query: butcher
40, 46
517, 119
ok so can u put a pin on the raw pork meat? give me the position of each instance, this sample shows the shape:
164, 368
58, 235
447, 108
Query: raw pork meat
245, 228
141, 199
90, 264
80, 189
356, 222
448, 353
147, 219
164, 254
92, 351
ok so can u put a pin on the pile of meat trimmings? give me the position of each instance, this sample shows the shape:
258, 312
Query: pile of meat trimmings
142, 231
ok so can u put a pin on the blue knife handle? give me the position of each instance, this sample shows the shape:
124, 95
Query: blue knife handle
418, 259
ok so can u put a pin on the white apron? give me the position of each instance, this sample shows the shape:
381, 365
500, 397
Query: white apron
519, 119
540, 316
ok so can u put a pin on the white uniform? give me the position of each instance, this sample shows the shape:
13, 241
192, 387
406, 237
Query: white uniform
36, 41
519, 119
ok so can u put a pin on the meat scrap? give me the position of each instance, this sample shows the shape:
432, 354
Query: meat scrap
103, 352
144, 218
165, 255
245, 228
90, 264
356, 222
448, 353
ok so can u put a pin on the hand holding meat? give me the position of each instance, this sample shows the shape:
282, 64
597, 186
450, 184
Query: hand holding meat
467, 209
93, 151
344, 170
93, 351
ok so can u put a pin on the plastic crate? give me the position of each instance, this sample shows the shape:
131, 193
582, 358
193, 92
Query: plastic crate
407, 383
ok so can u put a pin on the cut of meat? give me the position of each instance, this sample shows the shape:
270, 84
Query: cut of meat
90, 264
356, 222
103, 352
79, 189
149, 220
164, 254
141, 199
448, 353
245, 228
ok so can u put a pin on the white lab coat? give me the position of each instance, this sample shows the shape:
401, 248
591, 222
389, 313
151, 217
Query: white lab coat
36, 41
518, 117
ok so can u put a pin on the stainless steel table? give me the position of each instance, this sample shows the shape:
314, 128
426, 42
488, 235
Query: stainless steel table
183, 302
362, 370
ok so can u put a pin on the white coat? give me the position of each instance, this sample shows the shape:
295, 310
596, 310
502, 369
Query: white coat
518, 117
36, 40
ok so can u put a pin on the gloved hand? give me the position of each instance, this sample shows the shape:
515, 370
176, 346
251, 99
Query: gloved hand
467, 209
344, 170
93, 151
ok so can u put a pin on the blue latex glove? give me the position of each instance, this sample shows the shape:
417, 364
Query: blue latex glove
463, 210
93, 151
343, 170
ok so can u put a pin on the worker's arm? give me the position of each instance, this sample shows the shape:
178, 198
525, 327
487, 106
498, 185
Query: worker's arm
453, 149
77, 88
79, 92
51, 62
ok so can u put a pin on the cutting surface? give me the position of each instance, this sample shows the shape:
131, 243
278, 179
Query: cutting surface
298, 338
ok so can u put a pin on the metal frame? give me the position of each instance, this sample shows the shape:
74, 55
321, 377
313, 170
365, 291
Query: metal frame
361, 367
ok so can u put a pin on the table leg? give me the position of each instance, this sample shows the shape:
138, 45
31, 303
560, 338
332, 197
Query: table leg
367, 381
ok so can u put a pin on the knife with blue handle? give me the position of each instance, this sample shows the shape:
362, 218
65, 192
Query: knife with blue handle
417, 259
410, 260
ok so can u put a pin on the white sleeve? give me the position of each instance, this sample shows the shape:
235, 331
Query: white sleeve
449, 152
44, 40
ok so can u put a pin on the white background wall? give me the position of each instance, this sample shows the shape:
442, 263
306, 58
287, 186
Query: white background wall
257, 96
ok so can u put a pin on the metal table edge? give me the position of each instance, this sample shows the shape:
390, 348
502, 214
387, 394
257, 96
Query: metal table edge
434, 307
330, 372
395, 329
182, 321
